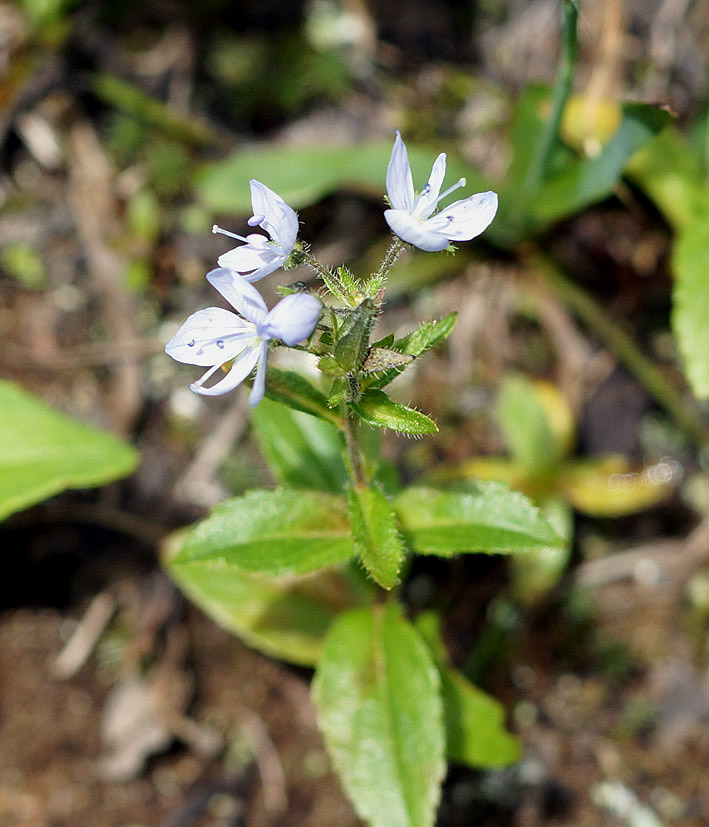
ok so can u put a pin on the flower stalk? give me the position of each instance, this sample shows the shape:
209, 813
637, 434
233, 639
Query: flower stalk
396, 248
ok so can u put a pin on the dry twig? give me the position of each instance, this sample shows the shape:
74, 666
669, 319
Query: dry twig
90, 193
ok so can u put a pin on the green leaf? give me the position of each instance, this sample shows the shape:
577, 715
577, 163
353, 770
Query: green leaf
272, 532
304, 175
376, 691
121, 95
379, 470
415, 344
485, 517
291, 389
535, 574
524, 426
376, 409
672, 176
353, 336
375, 534
338, 392
302, 451
475, 731
572, 181
590, 180
329, 366
426, 336
531, 112
690, 312
387, 341
42, 452
285, 617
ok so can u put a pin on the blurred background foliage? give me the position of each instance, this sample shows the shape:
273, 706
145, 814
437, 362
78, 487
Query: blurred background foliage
578, 370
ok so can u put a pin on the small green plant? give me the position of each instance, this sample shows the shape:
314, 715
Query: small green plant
311, 571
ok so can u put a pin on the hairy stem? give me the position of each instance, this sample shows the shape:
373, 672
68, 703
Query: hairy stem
390, 257
330, 279
351, 424
353, 450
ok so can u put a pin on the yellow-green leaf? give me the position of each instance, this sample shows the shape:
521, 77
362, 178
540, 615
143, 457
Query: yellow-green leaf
610, 486
285, 617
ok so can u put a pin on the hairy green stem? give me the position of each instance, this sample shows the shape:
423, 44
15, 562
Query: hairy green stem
354, 453
330, 279
390, 257
685, 416
350, 425
560, 94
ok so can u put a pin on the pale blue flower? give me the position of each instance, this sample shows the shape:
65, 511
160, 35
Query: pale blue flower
410, 216
215, 337
258, 256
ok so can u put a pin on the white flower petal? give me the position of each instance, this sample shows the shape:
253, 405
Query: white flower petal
399, 183
413, 219
210, 336
292, 319
242, 367
259, 386
268, 268
426, 202
469, 217
251, 264
263, 199
287, 230
415, 232
242, 259
260, 255
280, 220
239, 293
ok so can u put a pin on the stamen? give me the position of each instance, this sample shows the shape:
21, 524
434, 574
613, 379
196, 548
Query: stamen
216, 229
255, 220
461, 182
205, 376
